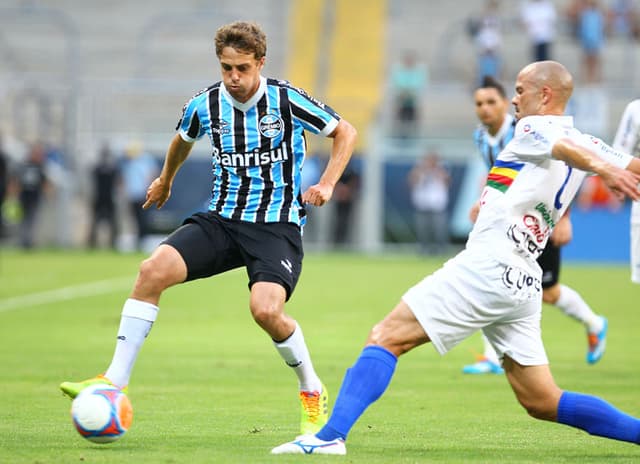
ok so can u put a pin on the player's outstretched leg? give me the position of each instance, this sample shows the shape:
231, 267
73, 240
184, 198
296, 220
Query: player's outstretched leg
135, 324
597, 417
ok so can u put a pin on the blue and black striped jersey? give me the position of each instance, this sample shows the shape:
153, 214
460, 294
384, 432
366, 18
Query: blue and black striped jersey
258, 147
490, 146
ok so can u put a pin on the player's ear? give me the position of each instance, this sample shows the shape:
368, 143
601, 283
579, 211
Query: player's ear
547, 93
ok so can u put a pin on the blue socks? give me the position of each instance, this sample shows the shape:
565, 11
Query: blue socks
369, 377
597, 417
363, 384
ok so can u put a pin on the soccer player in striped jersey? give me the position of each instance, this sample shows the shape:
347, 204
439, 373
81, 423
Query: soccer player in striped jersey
494, 133
494, 284
257, 128
627, 140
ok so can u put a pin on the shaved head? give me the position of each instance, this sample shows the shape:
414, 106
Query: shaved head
545, 87
552, 74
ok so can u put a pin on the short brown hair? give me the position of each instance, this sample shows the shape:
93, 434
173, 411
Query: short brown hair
243, 36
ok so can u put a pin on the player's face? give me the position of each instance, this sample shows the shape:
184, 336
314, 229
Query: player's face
528, 97
491, 107
240, 73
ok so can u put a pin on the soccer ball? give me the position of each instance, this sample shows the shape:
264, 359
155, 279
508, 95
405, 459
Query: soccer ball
101, 413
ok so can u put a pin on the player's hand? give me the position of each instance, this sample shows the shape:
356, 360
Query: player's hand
562, 232
318, 194
157, 193
622, 182
474, 211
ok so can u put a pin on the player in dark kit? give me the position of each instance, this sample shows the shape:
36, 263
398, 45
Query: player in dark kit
256, 127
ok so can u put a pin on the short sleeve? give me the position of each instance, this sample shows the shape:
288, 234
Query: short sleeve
315, 116
535, 136
189, 126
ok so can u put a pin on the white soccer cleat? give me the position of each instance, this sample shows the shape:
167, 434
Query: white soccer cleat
310, 444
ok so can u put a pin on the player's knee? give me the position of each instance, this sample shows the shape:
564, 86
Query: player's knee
551, 295
263, 312
152, 276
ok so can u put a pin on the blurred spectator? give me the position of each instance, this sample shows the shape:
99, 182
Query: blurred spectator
588, 20
623, 19
409, 79
344, 196
32, 182
429, 182
4, 180
486, 30
138, 171
595, 194
539, 18
105, 177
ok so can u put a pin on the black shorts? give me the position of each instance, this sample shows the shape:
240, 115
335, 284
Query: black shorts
210, 245
549, 261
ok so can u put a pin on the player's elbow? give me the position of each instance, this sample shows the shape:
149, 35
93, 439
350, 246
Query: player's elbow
345, 131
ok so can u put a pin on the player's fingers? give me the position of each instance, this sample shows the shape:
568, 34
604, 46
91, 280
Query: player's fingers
631, 190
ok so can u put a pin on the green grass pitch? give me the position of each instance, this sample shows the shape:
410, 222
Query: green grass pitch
208, 386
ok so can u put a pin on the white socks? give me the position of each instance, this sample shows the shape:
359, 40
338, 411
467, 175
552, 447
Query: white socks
572, 304
489, 352
135, 324
295, 353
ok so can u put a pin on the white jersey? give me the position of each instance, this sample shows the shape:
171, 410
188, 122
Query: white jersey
628, 141
527, 191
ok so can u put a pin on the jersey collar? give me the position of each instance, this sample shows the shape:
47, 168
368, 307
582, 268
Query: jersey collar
262, 88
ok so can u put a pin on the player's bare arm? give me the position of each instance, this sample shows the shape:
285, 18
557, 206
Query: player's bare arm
160, 189
617, 179
344, 140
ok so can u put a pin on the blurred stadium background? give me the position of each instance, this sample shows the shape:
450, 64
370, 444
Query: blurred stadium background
76, 74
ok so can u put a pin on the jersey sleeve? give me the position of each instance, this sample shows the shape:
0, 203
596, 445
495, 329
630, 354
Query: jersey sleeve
534, 138
315, 116
627, 137
603, 151
189, 126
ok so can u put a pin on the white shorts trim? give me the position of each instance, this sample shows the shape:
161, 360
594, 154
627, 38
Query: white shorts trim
475, 292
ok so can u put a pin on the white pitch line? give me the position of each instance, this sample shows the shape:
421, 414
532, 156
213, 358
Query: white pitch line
99, 287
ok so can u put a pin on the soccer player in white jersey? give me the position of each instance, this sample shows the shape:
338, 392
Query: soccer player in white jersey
494, 285
628, 140
494, 133
256, 127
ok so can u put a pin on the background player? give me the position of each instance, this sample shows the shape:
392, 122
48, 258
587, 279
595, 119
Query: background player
494, 133
494, 285
256, 127
627, 140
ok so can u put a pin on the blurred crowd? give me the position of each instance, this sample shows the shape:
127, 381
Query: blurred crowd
39, 175
112, 188
589, 22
